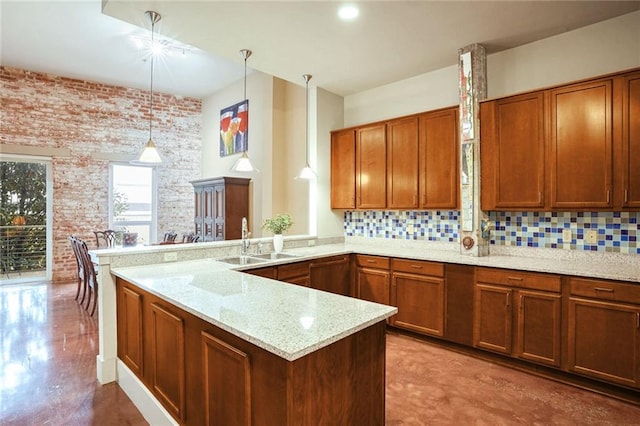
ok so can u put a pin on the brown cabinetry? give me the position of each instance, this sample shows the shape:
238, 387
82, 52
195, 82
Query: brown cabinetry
438, 159
373, 278
581, 145
572, 147
130, 325
332, 274
518, 313
405, 163
202, 374
513, 152
417, 290
630, 158
343, 169
371, 166
604, 330
294, 273
402, 163
220, 205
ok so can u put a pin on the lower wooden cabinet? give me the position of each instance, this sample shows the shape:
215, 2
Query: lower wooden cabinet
332, 274
604, 331
373, 278
203, 375
227, 383
294, 273
417, 290
518, 314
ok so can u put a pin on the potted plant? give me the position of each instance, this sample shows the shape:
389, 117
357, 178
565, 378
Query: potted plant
278, 225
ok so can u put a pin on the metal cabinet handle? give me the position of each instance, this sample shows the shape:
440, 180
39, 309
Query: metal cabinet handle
515, 278
603, 289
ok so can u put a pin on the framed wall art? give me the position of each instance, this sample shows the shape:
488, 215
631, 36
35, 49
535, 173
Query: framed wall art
234, 128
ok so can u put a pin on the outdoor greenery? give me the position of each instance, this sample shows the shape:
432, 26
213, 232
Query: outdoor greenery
23, 215
279, 224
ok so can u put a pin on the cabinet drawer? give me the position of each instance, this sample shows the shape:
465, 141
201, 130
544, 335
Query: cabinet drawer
607, 290
420, 267
293, 270
520, 279
372, 261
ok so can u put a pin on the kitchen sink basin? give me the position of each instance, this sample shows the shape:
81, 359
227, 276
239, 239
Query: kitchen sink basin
275, 256
241, 260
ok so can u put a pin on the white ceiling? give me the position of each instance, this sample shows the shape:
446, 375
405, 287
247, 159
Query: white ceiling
390, 40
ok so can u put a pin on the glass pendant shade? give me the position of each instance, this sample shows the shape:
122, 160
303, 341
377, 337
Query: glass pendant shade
306, 173
148, 155
243, 164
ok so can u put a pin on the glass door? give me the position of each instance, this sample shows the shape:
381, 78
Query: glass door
25, 231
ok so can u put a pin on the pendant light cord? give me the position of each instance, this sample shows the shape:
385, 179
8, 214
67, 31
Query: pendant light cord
306, 143
245, 76
153, 24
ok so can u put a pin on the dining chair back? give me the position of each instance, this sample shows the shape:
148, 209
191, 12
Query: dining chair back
190, 238
91, 281
82, 285
108, 238
170, 237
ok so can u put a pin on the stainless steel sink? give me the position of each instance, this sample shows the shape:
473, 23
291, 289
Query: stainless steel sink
241, 260
275, 256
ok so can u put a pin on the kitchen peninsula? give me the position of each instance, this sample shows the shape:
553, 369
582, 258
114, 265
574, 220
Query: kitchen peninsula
566, 279
217, 346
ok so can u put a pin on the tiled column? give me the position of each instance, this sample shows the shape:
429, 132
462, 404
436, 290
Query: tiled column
472, 83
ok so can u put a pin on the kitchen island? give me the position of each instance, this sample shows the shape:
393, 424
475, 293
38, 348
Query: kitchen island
217, 346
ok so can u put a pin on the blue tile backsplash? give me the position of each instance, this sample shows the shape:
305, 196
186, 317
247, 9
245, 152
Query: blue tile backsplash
617, 231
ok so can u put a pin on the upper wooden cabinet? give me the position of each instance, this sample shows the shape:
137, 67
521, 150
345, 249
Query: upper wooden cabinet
402, 163
513, 152
343, 169
405, 163
574, 147
581, 146
628, 164
371, 167
438, 159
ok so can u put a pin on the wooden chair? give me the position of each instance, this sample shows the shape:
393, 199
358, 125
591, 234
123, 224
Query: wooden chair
190, 238
91, 281
81, 281
108, 237
170, 237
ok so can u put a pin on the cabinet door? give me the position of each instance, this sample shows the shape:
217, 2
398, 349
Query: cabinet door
604, 340
227, 383
420, 303
332, 275
492, 318
198, 200
208, 209
402, 163
167, 360
538, 322
371, 166
631, 141
218, 213
343, 169
130, 349
581, 146
513, 152
373, 285
438, 159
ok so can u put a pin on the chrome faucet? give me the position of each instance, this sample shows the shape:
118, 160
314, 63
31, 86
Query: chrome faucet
244, 248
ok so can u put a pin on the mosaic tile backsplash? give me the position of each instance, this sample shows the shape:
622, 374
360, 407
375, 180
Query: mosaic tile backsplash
617, 231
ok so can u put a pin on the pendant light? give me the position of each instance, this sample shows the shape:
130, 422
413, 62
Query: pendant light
243, 164
149, 154
307, 172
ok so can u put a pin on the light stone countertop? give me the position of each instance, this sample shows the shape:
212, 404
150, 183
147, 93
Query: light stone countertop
288, 320
292, 321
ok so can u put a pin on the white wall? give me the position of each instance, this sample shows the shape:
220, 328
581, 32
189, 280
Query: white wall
602, 48
260, 95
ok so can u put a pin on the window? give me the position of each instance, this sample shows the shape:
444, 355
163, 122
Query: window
132, 201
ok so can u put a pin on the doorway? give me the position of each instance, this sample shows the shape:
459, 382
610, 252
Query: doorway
25, 228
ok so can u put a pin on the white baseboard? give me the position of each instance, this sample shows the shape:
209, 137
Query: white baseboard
142, 398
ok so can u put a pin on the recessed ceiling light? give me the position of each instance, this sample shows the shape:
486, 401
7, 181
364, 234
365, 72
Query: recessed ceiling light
348, 12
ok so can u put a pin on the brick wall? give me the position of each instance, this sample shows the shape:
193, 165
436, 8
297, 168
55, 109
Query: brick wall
95, 121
